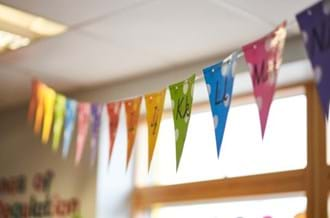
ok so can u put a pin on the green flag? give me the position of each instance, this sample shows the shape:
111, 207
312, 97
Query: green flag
182, 97
59, 113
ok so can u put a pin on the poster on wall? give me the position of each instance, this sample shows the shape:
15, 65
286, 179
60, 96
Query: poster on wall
37, 198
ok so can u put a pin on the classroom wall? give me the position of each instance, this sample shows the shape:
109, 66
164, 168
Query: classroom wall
103, 190
114, 181
21, 153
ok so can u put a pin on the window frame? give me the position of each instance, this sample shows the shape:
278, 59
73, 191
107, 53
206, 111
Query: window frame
314, 179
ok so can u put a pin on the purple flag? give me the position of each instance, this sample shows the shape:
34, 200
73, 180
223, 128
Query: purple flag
96, 121
314, 23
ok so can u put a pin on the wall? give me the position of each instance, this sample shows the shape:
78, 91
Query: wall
114, 181
21, 152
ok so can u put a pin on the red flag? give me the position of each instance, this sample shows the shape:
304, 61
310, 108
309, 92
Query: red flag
113, 114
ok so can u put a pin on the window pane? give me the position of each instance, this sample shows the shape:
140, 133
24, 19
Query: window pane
243, 151
274, 208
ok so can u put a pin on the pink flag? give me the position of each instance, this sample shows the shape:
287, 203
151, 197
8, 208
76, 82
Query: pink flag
84, 111
264, 58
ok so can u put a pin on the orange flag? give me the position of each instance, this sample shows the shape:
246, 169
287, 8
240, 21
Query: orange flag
154, 106
33, 100
40, 107
132, 107
49, 100
113, 114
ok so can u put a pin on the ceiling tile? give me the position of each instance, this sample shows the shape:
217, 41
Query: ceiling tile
76, 59
180, 30
272, 11
73, 11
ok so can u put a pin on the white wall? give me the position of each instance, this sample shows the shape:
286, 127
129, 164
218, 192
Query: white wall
114, 182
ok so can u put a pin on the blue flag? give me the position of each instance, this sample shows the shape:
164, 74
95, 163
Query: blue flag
219, 80
70, 118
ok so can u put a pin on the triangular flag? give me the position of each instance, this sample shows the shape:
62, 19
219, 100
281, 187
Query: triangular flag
70, 120
96, 110
84, 110
264, 58
33, 100
113, 114
49, 100
314, 24
219, 80
182, 98
59, 113
132, 108
154, 107
41, 89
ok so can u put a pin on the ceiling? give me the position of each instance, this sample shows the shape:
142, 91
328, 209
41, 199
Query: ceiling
114, 40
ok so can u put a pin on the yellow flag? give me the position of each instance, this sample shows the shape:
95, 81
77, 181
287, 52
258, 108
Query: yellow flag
49, 100
154, 106
40, 107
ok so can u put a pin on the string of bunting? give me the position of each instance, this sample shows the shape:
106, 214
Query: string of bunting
52, 112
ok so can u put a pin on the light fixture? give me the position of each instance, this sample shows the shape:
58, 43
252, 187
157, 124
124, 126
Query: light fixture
19, 28
10, 41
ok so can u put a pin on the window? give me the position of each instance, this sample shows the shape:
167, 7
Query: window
289, 165
260, 208
243, 151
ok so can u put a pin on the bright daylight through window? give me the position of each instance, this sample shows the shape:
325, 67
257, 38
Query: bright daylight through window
283, 148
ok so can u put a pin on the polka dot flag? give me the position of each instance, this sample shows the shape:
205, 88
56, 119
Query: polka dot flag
219, 80
182, 98
314, 23
264, 57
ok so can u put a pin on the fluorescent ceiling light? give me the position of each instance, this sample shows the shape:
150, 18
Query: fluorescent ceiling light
10, 41
30, 22
19, 29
